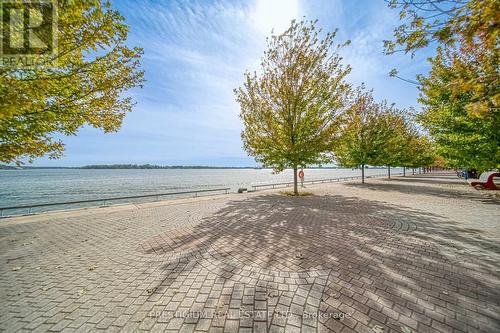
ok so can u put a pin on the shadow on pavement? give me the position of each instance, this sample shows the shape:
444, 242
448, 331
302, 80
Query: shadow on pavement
402, 185
388, 265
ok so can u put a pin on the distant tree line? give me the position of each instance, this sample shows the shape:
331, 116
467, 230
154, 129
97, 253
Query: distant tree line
153, 166
7, 167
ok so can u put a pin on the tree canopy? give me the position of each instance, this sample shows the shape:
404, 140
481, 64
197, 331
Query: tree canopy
393, 129
466, 133
417, 150
83, 84
448, 23
362, 136
380, 134
461, 94
290, 109
405, 145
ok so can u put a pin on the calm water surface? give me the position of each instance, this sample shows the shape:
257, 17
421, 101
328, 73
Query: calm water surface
24, 187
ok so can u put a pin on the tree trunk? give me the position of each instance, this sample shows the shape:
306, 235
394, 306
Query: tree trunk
295, 187
413, 171
362, 173
404, 171
389, 171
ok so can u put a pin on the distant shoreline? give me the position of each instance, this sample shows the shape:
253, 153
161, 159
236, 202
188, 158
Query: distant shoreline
125, 167
153, 167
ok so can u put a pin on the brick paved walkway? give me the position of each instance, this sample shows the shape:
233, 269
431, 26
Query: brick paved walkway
414, 254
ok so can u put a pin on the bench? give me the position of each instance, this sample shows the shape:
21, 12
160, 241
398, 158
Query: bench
486, 181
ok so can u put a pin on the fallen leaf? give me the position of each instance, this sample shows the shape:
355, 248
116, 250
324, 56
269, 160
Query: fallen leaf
16, 268
378, 329
405, 329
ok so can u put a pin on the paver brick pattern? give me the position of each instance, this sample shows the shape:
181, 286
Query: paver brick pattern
415, 254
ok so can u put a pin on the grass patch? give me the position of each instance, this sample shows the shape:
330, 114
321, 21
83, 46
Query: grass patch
291, 194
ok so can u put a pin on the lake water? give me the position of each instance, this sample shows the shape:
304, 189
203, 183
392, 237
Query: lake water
25, 187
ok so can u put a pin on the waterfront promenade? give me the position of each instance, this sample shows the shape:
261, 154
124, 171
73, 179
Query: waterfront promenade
411, 254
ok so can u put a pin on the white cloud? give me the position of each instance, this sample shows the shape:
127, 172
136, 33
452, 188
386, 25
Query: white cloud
196, 53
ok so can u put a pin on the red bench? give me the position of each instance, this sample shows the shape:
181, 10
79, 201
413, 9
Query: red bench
486, 181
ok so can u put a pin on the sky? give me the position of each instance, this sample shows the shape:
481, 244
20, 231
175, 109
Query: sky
195, 54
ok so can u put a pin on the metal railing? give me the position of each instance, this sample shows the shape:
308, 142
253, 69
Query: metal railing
195, 194
320, 181
105, 200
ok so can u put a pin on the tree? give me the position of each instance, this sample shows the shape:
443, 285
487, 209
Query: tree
362, 136
439, 162
449, 23
415, 149
466, 133
83, 84
290, 111
465, 32
461, 94
394, 133
418, 152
